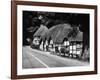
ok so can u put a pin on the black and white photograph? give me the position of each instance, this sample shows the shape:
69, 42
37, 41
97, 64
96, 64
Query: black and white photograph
55, 39
51, 39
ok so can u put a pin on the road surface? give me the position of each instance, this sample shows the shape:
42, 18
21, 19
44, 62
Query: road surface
32, 58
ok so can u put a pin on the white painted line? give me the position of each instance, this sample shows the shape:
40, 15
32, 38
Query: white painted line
40, 61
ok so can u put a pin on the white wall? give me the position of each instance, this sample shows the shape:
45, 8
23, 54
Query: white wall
5, 40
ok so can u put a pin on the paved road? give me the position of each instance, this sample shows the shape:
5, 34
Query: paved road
32, 58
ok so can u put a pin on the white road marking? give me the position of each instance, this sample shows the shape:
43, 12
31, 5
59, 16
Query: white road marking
39, 60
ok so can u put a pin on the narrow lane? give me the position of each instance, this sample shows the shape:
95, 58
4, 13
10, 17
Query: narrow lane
28, 61
39, 59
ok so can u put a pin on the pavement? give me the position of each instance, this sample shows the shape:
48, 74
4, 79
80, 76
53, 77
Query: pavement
32, 58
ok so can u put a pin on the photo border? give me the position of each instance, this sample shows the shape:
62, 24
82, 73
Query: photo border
14, 38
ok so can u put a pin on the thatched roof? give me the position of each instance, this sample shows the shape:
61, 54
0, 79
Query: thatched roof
78, 37
59, 32
41, 31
